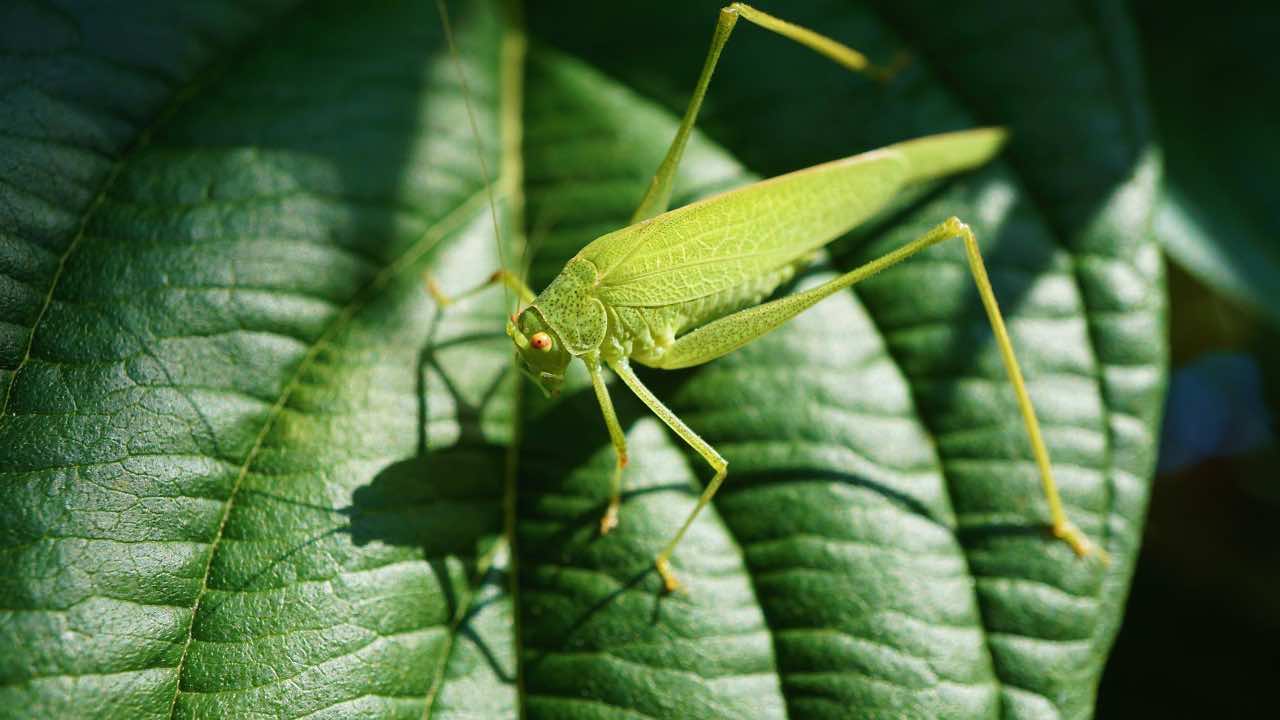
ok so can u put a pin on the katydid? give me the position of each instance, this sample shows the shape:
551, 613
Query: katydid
678, 288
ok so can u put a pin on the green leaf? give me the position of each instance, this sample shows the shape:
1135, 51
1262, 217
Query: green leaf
252, 468
1218, 219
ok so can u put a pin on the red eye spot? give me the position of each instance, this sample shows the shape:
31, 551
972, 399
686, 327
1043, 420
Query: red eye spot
540, 341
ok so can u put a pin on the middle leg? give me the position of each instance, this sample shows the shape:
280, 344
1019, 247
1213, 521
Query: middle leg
717, 462
610, 519
504, 277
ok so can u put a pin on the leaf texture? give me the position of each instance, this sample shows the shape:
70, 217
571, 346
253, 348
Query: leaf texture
253, 470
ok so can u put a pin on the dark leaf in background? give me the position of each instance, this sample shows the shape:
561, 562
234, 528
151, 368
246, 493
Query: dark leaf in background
1215, 98
1200, 628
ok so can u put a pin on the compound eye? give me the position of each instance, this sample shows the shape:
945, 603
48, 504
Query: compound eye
540, 341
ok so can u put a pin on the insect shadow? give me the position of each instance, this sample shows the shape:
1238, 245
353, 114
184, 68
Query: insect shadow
441, 500
444, 499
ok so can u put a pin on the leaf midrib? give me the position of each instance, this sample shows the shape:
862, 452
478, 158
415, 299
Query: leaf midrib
511, 179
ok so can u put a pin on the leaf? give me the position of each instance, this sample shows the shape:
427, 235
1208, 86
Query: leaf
254, 470
1217, 218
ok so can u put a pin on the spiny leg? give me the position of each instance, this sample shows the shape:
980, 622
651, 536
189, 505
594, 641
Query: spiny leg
703, 448
658, 196
505, 277
1062, 528
610, 519
731, 332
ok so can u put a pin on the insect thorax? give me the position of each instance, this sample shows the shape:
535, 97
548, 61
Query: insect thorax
569, 308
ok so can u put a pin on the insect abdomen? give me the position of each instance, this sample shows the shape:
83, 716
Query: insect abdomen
644, 333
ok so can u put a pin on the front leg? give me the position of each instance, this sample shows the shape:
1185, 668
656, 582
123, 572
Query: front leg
610, 519
702, 447
504, 277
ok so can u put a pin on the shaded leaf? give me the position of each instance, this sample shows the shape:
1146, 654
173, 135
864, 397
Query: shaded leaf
1218, 219
253, 469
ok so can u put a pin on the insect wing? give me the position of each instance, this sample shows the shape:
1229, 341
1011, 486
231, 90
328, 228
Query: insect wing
731, 238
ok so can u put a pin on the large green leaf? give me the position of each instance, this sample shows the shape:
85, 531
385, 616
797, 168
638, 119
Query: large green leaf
252, 470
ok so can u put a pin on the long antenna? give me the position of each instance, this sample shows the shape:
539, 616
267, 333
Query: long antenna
475, 133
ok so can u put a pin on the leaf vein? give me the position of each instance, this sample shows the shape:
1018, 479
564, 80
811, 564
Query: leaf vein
429, 239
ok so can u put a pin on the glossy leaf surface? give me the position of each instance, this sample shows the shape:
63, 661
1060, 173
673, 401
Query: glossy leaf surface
252, 470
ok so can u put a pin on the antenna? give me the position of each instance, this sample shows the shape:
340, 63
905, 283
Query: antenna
475, 134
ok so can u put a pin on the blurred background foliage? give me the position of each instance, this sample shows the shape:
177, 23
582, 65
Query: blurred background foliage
1203, 620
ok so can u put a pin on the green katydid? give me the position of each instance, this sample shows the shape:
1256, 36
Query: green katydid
678, 288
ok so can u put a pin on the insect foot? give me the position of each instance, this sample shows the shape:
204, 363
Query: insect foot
669, 581
433, 289
610, 519
1079, 542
